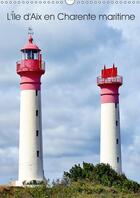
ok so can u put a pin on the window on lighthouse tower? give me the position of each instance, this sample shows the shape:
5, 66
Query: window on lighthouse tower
30, 54
37, 153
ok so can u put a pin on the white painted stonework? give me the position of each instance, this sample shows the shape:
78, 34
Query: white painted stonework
110, 141
30, 143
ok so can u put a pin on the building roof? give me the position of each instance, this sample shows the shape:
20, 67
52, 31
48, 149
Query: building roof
30, 45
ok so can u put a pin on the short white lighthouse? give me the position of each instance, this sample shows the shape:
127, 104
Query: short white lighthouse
30, 69
110, 140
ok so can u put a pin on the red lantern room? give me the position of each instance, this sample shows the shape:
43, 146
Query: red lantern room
109, 82
109, 76
31, 67
31, 59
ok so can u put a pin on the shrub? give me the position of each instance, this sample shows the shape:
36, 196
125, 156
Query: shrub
101, 174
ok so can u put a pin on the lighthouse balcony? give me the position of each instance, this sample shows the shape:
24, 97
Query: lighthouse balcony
30, 65
110, 80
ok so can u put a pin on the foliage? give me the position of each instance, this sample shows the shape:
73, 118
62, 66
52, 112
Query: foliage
77, 172
102, 174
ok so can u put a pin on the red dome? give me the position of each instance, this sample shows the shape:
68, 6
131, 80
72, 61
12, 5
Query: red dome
30, 45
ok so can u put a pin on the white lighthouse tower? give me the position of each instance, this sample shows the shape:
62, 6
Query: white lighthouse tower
30, 69
110, 140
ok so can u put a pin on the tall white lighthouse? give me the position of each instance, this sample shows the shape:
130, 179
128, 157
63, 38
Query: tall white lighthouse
110, 140
30, 68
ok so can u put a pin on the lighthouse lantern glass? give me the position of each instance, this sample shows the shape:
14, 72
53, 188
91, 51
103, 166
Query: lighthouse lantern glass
30, 54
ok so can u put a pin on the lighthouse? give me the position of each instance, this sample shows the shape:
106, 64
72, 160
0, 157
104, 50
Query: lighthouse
30, 69
110, 140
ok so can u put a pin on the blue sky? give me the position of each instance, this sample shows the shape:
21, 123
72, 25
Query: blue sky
74, 52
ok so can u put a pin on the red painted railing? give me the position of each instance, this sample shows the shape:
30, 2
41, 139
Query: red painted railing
36, 66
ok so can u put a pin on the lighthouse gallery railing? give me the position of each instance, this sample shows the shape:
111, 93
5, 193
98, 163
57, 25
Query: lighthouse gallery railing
116, 79
22, 66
